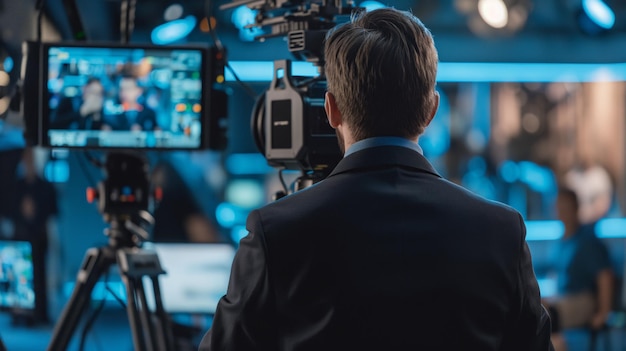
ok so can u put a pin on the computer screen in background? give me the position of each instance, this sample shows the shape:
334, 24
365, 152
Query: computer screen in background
196, 276
16, 275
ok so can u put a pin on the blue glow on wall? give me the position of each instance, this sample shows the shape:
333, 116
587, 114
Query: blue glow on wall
482, 111
245, 193
229, 215
226, 214
509, 171
517, 199
611, 228
101, 291
247, 164
11, 138
544, 230
553, 229
237, 233
538, 178
262, 71
436, 138
57, 171
371, 5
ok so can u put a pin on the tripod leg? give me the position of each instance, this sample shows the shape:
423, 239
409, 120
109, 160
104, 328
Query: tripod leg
165, 325
146, 314
135, 265
96, 262
135, 318
141, 320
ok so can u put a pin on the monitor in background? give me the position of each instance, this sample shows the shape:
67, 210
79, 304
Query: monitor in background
17, 292
196, 276
124, 96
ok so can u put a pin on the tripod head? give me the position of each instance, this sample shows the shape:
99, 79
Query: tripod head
123, 199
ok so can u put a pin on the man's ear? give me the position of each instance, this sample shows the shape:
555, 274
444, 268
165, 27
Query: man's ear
433, 112
332, 111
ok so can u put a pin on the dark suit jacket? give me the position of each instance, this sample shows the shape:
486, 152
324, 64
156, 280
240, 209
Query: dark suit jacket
146, 119
383, 254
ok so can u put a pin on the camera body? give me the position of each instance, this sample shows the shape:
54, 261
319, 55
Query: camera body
293, 126
289, 122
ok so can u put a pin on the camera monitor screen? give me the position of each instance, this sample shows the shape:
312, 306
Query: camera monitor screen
125, 97
16, 275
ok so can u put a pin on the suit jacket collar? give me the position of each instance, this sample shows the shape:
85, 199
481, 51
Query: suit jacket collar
384, 156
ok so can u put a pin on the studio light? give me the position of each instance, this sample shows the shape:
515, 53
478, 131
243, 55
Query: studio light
173, 31
173, 12
243, 16
495, 17
493, 12
595, 17
371, 5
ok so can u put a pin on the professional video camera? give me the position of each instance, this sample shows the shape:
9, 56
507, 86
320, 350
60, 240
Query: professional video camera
289, 123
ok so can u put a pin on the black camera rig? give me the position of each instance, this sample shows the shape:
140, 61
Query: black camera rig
288, 122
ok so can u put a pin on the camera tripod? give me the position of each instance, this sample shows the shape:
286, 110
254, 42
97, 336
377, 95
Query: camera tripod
150, 331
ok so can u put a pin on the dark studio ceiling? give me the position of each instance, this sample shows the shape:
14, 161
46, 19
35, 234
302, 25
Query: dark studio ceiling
548, 32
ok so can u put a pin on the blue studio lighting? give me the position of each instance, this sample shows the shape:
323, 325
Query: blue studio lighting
436, 138
57, 171
247, 164
599, 13
237, 233
245, 193
371, 5
243, 16
100, 291
544, 230
538, 178
229, 215
606, 228
611, 228
173, 31
509, 171
464, 71
226, 215
8, 64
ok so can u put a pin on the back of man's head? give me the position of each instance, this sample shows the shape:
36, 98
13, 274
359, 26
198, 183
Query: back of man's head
381, 67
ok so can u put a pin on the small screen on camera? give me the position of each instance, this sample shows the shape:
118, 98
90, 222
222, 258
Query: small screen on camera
123, 97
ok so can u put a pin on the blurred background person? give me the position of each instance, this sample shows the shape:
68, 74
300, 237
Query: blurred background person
584, 274
132, 113
84, 111
594, 188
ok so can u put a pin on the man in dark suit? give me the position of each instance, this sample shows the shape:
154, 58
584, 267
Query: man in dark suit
383, 254
132, 113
